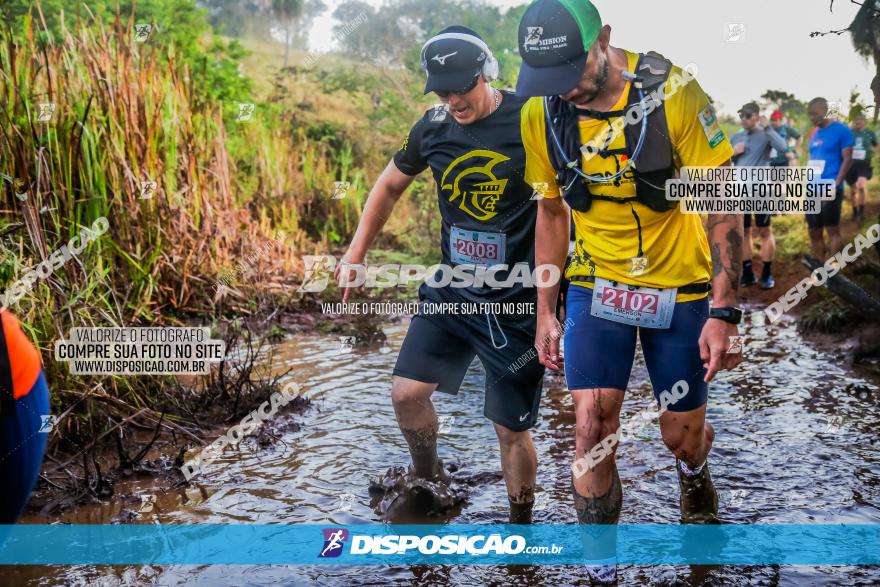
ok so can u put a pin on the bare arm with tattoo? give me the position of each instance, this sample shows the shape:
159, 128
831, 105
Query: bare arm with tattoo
725, 232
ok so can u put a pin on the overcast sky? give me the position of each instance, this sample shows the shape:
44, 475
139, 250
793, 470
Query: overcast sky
773, 51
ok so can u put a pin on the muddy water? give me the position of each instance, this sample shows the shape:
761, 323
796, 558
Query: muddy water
797, 442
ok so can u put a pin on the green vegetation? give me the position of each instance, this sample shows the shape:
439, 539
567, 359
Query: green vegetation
167, 110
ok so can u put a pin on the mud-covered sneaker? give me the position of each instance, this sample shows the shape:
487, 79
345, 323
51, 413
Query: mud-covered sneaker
439, 476
699, 500
767, 282
401, 494
747, 279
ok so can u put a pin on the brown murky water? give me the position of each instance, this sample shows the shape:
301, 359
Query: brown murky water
797, 442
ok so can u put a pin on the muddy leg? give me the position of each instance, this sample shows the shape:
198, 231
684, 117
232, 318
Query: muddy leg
597, 490
595, 484
768, 243
689, 437
597, 415
835, 239
418, 423
519, 463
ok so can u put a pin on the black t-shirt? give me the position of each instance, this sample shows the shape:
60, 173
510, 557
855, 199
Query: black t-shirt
486, 206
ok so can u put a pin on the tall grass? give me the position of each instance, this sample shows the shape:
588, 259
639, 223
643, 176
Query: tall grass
127, 113
124, 113
121, 118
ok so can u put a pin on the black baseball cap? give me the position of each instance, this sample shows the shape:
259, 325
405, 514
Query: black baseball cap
452, 63
554, 39
749, 108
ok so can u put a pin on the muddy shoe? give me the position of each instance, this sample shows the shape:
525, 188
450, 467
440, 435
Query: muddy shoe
699, 500
440, 476
401, 494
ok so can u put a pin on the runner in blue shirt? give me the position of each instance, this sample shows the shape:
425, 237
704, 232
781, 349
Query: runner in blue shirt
831, 146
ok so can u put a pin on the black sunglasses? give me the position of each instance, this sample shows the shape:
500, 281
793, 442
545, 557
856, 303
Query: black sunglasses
746, 116
446, 93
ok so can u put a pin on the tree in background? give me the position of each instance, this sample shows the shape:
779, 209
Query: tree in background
784, 101
239, 18
180, 29
498, 28
253, 18
287, 11
396, 40
378, 39
865, 32
311, 9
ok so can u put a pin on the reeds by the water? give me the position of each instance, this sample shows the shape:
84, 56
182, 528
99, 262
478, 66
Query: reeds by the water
188, 189
121, 115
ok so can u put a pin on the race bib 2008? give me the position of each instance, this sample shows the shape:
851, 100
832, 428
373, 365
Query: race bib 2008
637, 306
472, 247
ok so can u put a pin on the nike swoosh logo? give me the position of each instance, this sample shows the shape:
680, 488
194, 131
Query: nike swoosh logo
524, 416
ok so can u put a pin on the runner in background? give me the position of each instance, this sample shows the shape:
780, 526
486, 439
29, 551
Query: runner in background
754, 146
24, 404
831, 147
792, 137
864, 146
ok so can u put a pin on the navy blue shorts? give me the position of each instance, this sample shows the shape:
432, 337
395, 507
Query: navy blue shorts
600, 353
21, 450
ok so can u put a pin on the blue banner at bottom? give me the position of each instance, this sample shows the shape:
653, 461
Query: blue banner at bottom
439, 544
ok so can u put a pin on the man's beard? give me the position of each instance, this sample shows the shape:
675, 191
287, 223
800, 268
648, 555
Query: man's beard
600, 82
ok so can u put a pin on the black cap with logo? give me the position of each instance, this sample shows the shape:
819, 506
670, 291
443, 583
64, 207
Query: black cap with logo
554, 39
451, 61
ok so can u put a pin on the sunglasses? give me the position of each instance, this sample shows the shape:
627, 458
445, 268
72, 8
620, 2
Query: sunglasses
745, 116
446, 94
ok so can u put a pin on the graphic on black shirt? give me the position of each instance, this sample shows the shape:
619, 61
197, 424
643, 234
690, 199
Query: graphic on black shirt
471, 181
488, 214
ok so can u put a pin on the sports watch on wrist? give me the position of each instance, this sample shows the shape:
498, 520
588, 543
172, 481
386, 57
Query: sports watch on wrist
729, 314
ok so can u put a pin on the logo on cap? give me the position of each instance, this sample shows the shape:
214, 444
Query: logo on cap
533, 36
534, 41
442, 60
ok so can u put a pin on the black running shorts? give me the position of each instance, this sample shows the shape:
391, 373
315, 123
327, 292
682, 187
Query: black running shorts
859, 169
761, 220
439, 348
830, 214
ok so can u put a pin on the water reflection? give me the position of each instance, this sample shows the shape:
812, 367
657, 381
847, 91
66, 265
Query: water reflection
797, 442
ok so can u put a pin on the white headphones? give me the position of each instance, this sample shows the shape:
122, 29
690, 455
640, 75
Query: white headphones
490, 64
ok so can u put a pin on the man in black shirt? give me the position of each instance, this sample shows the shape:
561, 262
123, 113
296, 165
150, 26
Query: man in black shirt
471, 143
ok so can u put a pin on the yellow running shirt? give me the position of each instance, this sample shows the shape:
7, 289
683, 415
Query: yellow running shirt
606, 236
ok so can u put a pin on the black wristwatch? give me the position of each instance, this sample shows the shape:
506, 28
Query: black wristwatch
729, 314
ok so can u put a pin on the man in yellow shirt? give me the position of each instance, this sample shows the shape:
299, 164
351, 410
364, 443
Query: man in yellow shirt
622, 124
